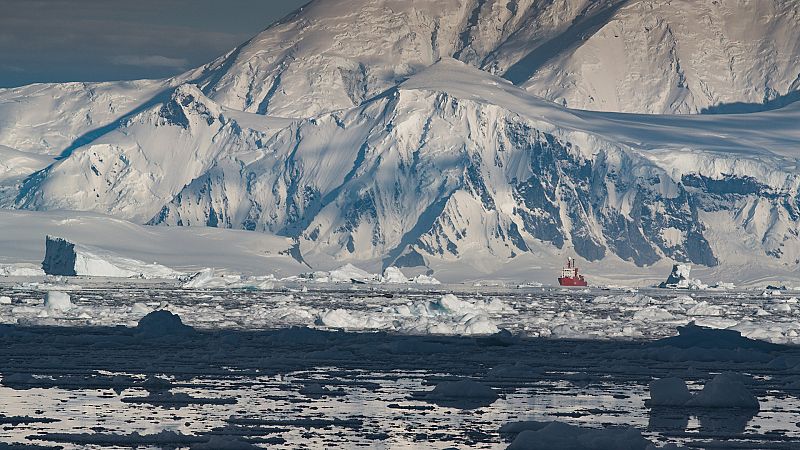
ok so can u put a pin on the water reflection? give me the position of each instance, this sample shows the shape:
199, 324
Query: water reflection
728, 421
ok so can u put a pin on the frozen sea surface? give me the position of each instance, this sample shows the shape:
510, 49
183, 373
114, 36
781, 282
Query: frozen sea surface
383, 368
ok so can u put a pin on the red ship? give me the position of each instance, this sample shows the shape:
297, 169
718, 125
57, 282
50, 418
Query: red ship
569, 275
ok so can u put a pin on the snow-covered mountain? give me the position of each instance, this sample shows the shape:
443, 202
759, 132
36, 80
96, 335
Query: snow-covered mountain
414, 137
646, 56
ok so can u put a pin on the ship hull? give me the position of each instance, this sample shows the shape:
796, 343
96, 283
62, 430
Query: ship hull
566, 281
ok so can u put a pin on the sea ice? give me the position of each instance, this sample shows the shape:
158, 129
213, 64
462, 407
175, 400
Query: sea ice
726, 390
20, 270
162, 323
57, 301
668, 392
679, 279
562, 436
211, 278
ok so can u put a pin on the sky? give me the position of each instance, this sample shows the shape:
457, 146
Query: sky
99, 40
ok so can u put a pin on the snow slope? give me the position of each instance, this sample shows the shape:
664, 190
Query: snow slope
645, 56
681, 56
180, 249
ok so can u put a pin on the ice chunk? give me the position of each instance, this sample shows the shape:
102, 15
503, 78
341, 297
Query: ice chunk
668, 392
57, 301
393, 275
349, 273
425, 279
340, 318
679, 279
140, 309
162, 323
703, 308
5, 300
652, 313
691, 335
200, 279
726, 390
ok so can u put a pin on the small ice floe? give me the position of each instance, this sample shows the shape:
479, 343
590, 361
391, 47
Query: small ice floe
534, 435
703, 308
162, 323
668, 392
726, 390
463, 394
652, 314
696, 343
4, 300
57, 301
